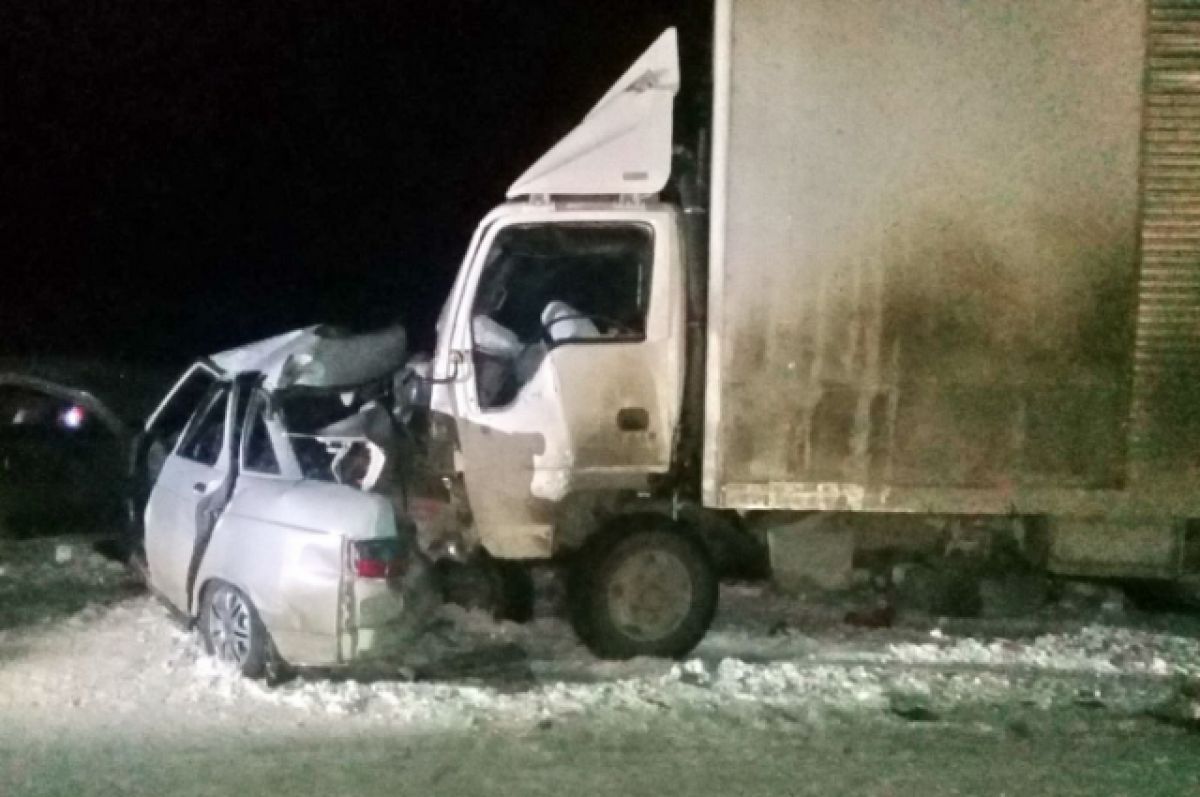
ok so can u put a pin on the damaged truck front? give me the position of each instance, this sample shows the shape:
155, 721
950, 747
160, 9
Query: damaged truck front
949, 269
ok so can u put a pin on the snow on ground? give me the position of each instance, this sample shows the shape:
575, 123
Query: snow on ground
1125, 669
107, 659
97, 662
53, 578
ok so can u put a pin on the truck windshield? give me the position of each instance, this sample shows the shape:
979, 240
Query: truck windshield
599, 270
544, 285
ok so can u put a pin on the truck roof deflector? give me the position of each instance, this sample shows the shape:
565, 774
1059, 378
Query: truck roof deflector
623, 145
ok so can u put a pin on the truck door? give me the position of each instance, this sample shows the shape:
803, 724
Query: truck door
569, 335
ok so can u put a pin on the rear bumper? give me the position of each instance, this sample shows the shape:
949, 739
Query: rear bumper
382, 640
387, 616
378, 620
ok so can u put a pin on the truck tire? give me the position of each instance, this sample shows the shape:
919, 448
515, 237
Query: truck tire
648, 589
503, 589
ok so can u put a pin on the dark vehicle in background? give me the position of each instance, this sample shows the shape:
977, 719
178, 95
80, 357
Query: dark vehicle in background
65, 431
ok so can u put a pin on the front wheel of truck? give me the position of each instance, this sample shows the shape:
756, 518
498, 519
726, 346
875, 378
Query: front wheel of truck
646, 588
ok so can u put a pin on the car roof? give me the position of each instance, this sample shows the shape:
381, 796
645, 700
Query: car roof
317, 357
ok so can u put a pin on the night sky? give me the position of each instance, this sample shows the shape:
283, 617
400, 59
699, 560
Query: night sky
182, 177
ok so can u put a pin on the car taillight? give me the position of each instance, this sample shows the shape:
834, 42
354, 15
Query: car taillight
377, 558
73, 417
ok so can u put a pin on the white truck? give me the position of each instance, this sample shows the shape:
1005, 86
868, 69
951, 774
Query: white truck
938, 258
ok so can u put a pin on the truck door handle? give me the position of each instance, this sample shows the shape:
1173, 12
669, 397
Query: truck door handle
633, 419
200, 487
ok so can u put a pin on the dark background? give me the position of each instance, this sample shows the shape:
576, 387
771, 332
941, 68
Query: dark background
178, 178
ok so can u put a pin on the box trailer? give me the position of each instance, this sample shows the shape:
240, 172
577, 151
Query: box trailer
978, 222
944, 260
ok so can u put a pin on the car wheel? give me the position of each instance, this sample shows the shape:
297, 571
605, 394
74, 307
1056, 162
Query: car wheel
648, 589
232, 630
503, 589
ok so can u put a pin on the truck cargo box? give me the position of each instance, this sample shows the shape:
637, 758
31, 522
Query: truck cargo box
954, 253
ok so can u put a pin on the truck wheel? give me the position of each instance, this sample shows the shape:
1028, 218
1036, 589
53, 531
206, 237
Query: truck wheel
232, 630
503, 589
649, 591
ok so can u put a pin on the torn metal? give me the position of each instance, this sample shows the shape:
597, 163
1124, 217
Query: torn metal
274, 475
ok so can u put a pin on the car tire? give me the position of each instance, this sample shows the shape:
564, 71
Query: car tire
644, 588
233, 631
503, 589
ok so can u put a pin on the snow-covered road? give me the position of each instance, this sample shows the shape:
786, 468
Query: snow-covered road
780, 698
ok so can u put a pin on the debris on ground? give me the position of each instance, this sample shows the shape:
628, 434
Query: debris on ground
109, 661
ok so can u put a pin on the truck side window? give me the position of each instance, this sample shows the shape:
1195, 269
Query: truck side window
545, 285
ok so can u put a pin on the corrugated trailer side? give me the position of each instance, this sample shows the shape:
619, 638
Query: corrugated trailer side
1165, 429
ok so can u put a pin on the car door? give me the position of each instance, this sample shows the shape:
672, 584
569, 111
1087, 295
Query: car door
276, 539
190, 477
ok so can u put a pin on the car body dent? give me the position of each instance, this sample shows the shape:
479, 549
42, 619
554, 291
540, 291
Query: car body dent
286, 545
283, 540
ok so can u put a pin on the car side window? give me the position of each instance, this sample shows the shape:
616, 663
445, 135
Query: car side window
180, 406
258, 451
203, 438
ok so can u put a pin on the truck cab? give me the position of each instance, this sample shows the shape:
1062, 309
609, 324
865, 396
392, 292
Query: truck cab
560, 368
563, 338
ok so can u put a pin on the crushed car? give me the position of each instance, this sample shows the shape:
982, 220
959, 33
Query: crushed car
271, 507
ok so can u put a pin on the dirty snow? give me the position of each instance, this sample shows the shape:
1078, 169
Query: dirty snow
107, 659
105, 663
1048, 670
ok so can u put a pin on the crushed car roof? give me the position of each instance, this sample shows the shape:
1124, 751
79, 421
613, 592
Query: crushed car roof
318, 357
